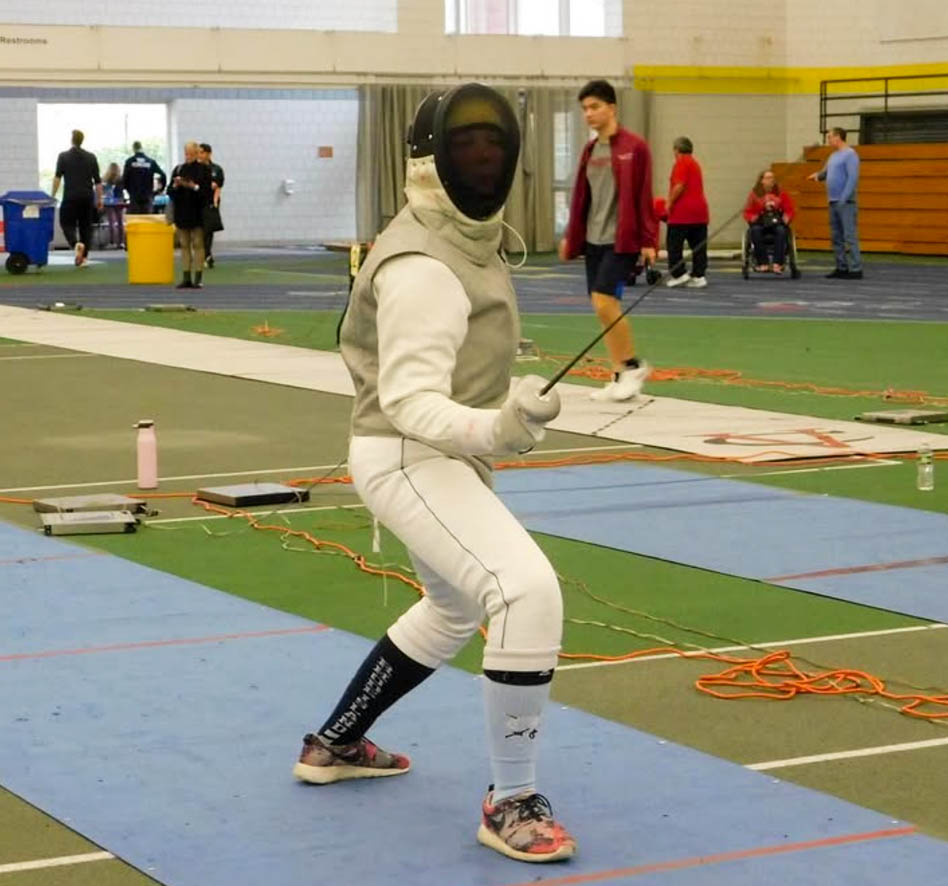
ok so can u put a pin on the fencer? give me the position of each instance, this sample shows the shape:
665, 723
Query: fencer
429, 337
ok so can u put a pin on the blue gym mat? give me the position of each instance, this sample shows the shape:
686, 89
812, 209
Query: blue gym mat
746, 529
175, 754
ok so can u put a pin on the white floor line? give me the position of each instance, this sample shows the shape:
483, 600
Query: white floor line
170, 479
61, 861
849, 755
873, 463
276, 471
277, 509
720, 649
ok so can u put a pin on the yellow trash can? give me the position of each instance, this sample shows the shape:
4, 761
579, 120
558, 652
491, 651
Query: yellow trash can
150, 242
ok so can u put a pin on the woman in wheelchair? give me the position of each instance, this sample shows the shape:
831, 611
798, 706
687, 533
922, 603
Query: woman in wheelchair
769, 211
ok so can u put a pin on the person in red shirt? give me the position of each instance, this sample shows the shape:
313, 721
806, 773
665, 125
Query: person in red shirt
768, 210
688, 218
660, 208
612, 225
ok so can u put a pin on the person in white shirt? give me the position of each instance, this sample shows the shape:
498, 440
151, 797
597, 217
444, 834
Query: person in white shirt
430, 337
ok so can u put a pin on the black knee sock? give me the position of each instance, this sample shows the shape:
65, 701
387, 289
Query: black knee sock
382, 679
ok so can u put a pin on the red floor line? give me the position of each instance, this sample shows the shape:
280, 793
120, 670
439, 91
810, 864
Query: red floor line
701, 860
152, 644
873, 567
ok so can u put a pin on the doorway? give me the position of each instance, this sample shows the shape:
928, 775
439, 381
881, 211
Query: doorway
110, 130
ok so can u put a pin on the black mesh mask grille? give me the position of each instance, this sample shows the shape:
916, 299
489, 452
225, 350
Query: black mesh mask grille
473, 135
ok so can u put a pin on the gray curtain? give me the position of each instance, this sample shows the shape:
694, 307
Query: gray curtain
530, 204
385, 113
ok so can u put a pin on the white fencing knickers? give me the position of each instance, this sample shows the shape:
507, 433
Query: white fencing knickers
471, 553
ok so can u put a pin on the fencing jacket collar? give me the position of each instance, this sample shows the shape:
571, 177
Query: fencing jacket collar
430, 204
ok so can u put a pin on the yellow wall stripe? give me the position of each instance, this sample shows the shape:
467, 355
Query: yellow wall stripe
782, 81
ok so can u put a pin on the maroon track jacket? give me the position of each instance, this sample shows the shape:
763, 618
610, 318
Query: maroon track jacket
632, 169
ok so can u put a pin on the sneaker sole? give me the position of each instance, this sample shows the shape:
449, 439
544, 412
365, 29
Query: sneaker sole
626, 398
330, 774
488, 838
599, 396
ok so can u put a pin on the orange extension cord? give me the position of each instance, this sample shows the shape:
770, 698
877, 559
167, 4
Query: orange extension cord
773, 676
599, 369
589, 459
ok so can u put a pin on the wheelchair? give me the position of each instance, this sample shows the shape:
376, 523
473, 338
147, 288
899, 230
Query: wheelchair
747, 251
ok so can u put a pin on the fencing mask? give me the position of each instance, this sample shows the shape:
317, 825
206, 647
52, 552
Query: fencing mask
473, 135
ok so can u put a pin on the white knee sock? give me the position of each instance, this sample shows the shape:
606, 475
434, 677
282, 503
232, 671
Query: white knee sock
513, 734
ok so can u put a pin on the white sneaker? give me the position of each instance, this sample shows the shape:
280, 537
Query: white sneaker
80, 251
672, 282
630, 381
603, 393
697, 283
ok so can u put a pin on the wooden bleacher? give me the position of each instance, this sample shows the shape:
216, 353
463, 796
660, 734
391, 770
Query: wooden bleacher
902, 197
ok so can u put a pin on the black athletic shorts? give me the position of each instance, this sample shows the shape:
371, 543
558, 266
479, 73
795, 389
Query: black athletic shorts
608, 272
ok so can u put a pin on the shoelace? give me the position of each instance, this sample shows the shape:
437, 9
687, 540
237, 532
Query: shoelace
535, 807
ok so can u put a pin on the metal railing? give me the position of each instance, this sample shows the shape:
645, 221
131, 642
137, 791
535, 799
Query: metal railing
888, 95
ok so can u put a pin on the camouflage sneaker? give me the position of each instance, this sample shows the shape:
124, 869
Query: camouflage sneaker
522, 827
320, 763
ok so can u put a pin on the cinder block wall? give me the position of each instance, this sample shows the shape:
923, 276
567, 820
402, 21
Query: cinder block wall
262, 142
734, 136
335, 46
19, 151
260, 137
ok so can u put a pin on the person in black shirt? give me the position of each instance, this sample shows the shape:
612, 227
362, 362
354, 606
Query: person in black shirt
190, 192
217, 185
82, 193
139, 178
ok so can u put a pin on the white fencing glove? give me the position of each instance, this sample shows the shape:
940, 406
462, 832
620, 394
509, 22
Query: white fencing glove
520, 424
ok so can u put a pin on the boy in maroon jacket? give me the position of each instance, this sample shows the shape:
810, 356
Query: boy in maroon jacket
612, 224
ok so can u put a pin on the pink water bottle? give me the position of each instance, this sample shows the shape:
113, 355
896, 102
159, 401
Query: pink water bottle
147, 454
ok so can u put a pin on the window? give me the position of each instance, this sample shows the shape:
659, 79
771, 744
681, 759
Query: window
567, 18
562, 146
560, 212
110, 130
538, 17
563, 162
587, 18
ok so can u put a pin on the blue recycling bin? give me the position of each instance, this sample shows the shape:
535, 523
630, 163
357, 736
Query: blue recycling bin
28, 218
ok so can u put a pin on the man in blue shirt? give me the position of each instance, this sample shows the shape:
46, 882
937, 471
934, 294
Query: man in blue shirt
138, 177
841, 174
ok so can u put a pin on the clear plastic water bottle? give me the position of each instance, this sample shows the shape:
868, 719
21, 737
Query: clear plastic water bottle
926, 469
147, 454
